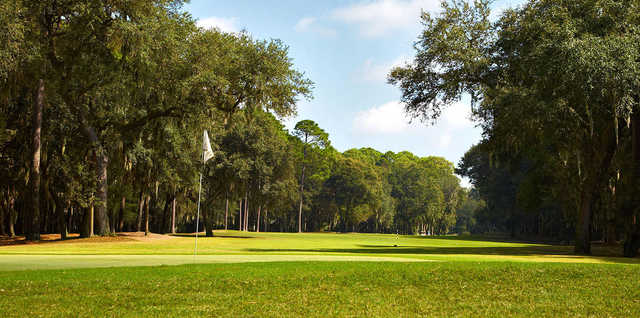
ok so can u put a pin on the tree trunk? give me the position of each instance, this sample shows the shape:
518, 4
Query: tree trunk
86, 230
208, 222
4, 212
226, 213
101, 217
304, 155
62, 222
632, 241
102, 162
92, 220
70, 218
12, 223
583, 229
140, 210
246, 212
266, 220
301, 197
173, 215
146, 215
2, 218
166, 218
594, 183
32, 230
123, 204
258, 220
611, 235
240, 215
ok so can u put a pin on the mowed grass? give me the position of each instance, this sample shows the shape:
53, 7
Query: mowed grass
234, 246
241, 274
323, 289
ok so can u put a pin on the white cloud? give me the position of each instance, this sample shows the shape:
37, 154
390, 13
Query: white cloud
381, 17
309, 24
457, 116
377, 72
303, 24
388, 118
223, 24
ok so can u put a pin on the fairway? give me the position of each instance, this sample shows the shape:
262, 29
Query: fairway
234, 246
240, 274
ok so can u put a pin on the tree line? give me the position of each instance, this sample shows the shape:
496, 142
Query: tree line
554, 85
102, 109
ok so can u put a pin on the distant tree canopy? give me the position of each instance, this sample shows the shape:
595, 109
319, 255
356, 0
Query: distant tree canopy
102, 109
554, 85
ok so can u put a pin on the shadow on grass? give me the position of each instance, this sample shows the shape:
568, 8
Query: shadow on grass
601, 253
487, 238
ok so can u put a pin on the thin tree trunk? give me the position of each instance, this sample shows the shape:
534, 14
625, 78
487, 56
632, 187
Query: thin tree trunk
92, 220
3, 212
70, 217
33, 221
173, 215
226, 212
246, 212
240, 215
140, 210
258, 220
146, 215
12, 224
301, 196
266, 220
123, 204
5, 215
166, 218
101, 216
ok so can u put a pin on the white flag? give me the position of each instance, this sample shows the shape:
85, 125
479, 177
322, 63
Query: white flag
207, 153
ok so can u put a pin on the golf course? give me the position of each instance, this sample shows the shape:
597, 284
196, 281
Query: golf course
298, 158
243, 274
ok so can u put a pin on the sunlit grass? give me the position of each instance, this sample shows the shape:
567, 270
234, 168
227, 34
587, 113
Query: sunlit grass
321, 289
241, 274
234, 246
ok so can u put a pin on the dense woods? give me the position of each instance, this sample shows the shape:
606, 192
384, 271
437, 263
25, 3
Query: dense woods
102, 109
554, 85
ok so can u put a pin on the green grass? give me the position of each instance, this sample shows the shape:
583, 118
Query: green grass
321, 289
229, 246
317, 275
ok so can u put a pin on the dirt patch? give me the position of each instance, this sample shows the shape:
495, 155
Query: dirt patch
75, 238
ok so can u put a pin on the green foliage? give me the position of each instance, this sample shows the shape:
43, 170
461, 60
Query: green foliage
129, 88
554, 85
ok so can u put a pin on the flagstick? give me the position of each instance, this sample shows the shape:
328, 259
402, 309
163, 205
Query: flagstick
207, 154
195, 250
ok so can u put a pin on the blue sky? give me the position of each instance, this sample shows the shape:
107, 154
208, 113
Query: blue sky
346, 48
